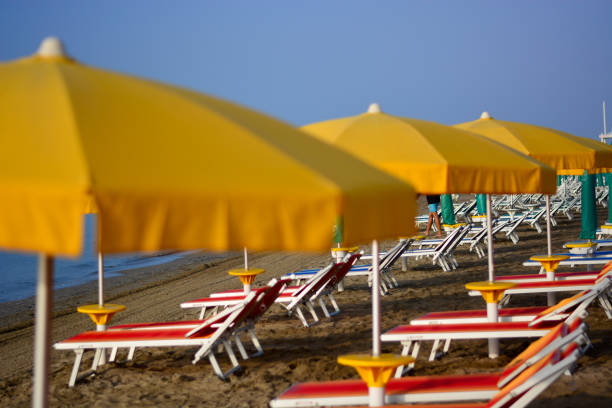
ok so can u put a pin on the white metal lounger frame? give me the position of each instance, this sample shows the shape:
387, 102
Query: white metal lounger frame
413, 341
221, 338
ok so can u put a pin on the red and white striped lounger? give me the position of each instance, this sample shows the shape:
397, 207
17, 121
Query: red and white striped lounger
560, 286
271, 292
518, 314
411, 336
559, 276
513, 314
216, 331
534, 366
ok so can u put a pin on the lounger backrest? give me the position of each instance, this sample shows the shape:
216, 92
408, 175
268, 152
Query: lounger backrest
237, 314
309, 289
457, 240
441, 247
582, 299
558, 337
275, 286
393, 255
535, 379
604, 271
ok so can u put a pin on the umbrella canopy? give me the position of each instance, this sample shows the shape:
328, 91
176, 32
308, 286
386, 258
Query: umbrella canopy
568, 154
166, 168
171, 168
434, 158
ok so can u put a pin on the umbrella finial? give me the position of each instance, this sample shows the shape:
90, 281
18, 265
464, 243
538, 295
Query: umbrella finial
374, 108
485, 115
51, 47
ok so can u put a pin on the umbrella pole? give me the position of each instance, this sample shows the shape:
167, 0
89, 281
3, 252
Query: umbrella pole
100, 279
551, 299
42, 330
548, 226
246, 259
375, 301
492, 312
490, 238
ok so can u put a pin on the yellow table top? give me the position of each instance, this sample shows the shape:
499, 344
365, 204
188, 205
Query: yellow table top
606, 226
548, 258
416, 237
97, 309
246, 272
488, 285
479, 216
351, 249
459, 224
580, 244
368, 360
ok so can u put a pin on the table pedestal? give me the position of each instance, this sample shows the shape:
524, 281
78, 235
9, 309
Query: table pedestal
101, 316
550, 264
492, 293
375, 371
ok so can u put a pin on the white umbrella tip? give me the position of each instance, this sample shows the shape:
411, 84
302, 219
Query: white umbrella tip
485, 115
374, 108
51, 47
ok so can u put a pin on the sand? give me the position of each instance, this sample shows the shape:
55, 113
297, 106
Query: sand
166, 377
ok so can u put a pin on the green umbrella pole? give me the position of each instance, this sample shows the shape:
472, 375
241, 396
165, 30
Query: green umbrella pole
589, 211
448, 210
481, 204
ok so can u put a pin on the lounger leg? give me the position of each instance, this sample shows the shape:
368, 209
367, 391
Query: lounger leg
256, 343
215, 365
399, 371
323, 307
434, 349
131, 353
75, 368
341, 286
312, 312
202, 313
97, 357
447, 344
232, 356
241, 349
300, 315
113, 354
333, 302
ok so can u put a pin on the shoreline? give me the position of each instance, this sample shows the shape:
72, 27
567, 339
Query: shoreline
18, 314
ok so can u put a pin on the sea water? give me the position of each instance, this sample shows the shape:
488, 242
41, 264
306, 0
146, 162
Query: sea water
18, 270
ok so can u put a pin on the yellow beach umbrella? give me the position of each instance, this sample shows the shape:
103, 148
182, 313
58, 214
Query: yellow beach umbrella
434, 158
567, 153
167, 168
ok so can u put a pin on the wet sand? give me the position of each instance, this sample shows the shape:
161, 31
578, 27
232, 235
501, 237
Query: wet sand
165, 377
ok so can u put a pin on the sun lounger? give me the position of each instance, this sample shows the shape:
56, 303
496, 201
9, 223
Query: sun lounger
559, 276
210, 334
411, 336
315, 290
541, 363
439, 254
514, 314
575, 260
270, 293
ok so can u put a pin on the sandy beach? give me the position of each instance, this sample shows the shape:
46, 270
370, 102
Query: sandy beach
166, 377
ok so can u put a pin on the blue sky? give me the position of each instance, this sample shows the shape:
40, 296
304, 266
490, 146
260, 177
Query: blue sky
543, 62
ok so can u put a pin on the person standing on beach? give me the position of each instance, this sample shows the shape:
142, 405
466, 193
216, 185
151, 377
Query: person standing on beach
433, 202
